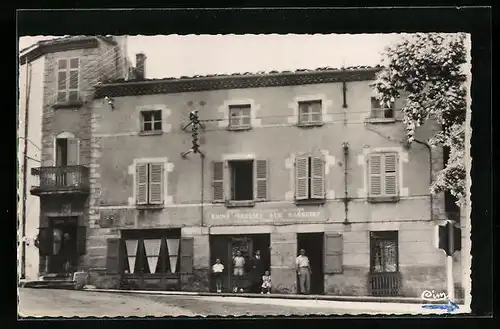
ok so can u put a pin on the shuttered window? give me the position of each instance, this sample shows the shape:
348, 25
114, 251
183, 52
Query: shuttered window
239, 180
113, 256
149, 182
383, 174
309, 178
186, 251
334, 246
68, 71
261, 180
381, 112
218, 181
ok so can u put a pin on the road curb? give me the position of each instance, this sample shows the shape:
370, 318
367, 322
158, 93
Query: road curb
368, 299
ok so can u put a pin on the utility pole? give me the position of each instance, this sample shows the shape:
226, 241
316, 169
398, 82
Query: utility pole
25, 170
449, 241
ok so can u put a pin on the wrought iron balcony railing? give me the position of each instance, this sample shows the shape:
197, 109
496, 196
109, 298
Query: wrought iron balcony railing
385, 284
69, 179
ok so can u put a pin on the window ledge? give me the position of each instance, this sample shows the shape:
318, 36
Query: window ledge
380, 120
381, 199
149, 206
67, 105
235, 203
151, 133
310, 202
239, 128
309, 124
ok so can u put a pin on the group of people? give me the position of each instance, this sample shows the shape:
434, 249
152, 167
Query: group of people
260, 279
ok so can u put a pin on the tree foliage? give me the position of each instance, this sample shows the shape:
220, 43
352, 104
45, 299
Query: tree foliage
428, 70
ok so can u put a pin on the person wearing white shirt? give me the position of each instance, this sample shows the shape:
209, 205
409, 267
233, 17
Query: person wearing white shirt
238, 272
304, 272
217, 270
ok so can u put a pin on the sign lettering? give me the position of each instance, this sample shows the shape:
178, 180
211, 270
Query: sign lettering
266, 215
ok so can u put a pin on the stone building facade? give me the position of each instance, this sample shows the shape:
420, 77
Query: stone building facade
293, 160
71, 66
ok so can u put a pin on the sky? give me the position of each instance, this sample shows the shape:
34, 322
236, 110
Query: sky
176, 55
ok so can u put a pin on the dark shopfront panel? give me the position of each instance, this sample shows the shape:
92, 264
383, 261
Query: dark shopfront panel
224, 247
151, 259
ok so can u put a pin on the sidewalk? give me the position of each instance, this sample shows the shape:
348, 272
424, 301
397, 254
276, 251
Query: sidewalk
365, 304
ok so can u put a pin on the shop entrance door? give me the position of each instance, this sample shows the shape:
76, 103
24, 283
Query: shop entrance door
312, 243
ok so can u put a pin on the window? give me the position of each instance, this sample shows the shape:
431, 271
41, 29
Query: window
309, 178
239, 116
149, 183
310, 113
241, 180
159, 251
151, 121
380, 112
68, 79
383, 175
384, 252
247, 180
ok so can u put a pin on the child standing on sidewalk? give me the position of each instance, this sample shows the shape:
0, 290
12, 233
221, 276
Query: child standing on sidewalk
217, 270
266, 283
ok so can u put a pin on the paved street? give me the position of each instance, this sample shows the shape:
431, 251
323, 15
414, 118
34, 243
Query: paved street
67, 303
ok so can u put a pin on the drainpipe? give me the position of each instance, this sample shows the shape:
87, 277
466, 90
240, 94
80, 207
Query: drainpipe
345, 147
431, 198
25, 170
202, 216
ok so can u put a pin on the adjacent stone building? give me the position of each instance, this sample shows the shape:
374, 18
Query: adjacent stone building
64, 71
304, 159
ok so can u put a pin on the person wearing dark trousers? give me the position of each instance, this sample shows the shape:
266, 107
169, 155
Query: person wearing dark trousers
256, 271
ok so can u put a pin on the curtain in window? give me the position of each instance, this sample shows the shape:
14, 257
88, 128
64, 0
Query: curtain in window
385, 256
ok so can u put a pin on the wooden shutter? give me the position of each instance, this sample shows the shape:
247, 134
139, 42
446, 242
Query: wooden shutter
301, 178
261, 180
334, 244
156, 183
187, 248
218, 181
113, 256
375, 174
141, 178
317, 178
390, 175
81, 237
73, 151
45, 241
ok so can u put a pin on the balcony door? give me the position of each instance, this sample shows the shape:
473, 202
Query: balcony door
67, 151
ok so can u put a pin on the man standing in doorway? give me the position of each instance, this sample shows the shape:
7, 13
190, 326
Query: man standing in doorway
256, 272
304, 272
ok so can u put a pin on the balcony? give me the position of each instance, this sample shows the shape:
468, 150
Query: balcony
61, 180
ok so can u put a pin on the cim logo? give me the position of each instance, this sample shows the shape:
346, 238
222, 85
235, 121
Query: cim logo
432, 295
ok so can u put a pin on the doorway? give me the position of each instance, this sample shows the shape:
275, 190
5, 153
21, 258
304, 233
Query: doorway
64, 245
313, 245
225, 247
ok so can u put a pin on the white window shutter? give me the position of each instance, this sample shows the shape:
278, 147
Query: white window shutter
261, 180
218, 181
301, 178
390, 175
375, 174
141, 183
317, 178
156, 183
73, 151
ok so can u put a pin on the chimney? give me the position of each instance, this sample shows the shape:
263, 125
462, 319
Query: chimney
140, 66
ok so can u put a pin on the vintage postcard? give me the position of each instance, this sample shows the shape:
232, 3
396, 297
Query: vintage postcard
237, 175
